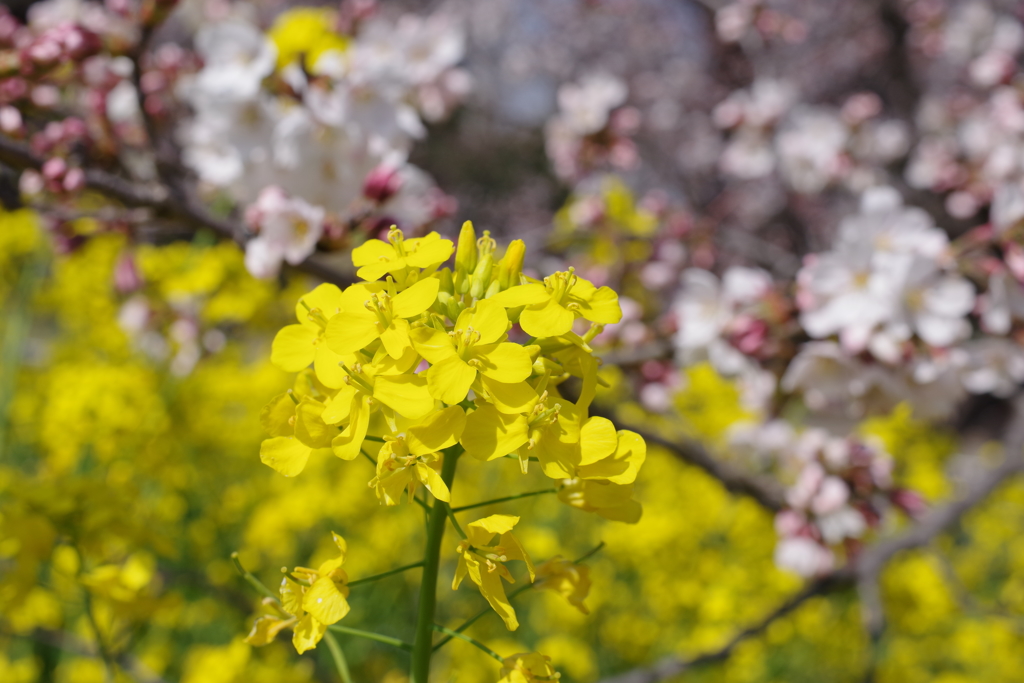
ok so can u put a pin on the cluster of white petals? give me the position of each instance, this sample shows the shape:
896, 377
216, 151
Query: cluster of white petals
811, 147
839, 488
323, 132
590, 126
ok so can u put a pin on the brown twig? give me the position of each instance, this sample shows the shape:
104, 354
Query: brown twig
865, 571
182, 206
673, 666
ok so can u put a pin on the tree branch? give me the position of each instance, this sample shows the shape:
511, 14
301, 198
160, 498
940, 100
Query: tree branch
161, 199
865, 570
673, 666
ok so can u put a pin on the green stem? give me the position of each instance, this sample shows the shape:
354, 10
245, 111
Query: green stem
423, 645
18, 320
462, 508
251, 579
375, 577
455, 523
472, 641
590, 553
370, 635
339, 658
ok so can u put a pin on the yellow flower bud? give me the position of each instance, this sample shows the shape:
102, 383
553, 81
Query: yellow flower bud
465, 252
511, 264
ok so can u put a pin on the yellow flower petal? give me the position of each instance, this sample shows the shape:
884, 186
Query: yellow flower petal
310, 429
308, 633
602, 307
515, 551
450, 380
550, 320
346, 445
487, 318
416, 299
430, 250
389, 485
265, 629
407, 395
439, 431
509, 398
351, 331
293, 348
597, 440
434, 345
429, 477
327, 365
326, 600
286, 454
326, 297
490, 434
276, 416
338, 407
291, 597
495, 524
396, 338
384, 364
504, 362
493, 591
372, 251
557, 452
623, 466
522, 295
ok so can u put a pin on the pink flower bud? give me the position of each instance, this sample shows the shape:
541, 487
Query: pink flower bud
81, 44
54, 168
74, 180
10, 120
13, 89
653, 370
8, 28
44, 52
382, 183
45, 96
169, 57
126, 275
910, 502
152, 81
119, 6
74, 128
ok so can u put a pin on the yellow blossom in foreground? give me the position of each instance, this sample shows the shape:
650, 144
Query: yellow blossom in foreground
414, 457
553, 306
568, 579
484, 563
369, 312
475, 345
398, 256
296, 346
526, 668
314, 599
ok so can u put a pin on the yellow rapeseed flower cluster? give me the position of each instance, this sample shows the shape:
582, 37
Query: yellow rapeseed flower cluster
423, 359
420, 363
